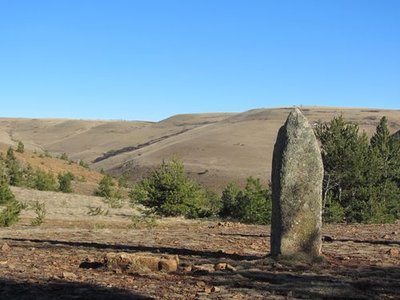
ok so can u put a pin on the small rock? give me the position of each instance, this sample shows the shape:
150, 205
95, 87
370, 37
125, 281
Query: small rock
186, 268
203, 269
5, 247
395, 232
230, 268
215, 289
140, 262
168, 265
277, 266
386, 237
220, 266
200, 284
393, 252
69, 275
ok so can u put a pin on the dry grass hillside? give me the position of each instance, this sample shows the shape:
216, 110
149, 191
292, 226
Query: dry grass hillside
86, 180
216, 148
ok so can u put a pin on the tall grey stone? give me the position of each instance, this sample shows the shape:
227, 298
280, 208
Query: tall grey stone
297, 174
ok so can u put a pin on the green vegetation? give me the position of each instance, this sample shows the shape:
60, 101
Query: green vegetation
9, 207
20, 147
43, 181
6, 196
106, 189
40, 211
123, 181
83, 164
14, 170
362, 177
65, 182
10, 214
64, 156
251, 205
169, 192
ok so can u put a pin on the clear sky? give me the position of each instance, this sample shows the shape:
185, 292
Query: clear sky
147, 60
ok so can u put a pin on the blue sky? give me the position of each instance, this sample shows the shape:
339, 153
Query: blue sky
147, 60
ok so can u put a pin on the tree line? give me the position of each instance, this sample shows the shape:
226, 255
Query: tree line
362, 175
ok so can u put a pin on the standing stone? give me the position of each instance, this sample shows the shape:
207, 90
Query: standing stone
297, 174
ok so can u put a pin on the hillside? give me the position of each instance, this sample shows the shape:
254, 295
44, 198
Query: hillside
85, 182
216, 148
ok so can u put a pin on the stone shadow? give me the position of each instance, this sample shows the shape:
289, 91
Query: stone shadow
358, 283
136, 248
62, 290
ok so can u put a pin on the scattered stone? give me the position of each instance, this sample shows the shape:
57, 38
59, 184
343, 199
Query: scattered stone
386, 237
186, 268
393, 252
215, 289
5, 247
203, 269
200, 284
69, 275
229, 224
297, 174
395, 232
140, 262
230, 268
220, 266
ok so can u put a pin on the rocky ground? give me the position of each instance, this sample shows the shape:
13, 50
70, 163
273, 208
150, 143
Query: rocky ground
65, 260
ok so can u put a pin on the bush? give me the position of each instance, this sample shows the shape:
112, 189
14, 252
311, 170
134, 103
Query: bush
43, 181
333, 213
84, 164
10, 214
14, 170
64, 156
40, 210
257, 203
6, 195
169, 192
251, 205
230, 207
123, 181
106, 187
20, 147
65, 182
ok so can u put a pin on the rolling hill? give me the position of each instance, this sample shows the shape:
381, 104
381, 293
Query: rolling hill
216, 147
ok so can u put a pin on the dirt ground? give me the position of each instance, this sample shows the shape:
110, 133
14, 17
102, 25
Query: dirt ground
63, 260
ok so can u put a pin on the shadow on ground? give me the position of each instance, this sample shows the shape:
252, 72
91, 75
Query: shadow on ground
62, 290
364, 282
136, 248
258, 276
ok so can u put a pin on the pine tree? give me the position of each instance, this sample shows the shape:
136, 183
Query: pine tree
385, 150
345, 157
20, 147
14, 170
5, 193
